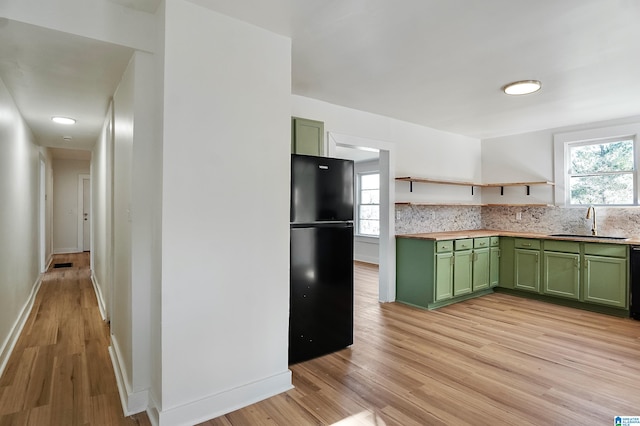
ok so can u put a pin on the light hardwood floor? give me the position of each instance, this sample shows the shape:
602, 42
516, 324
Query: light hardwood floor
60, 372
493, 360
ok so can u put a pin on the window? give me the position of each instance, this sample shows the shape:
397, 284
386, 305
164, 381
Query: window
601, 172
598, 166
368, 216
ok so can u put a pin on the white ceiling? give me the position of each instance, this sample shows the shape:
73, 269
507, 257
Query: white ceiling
438, 63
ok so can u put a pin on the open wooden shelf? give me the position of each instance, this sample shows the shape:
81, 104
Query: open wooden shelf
500, 185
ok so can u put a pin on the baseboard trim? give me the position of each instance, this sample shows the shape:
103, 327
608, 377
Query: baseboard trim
223, 402
98, 290
132, 402
9, 344
367, 259
67, 250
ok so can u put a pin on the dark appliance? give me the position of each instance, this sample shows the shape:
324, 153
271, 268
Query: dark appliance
634, 290
321, 275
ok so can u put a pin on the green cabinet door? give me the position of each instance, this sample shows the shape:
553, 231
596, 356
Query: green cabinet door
481, 264
507, 262
462, 272
527, 270
494, 266
307, 136
605, 281
561, 274
444, 276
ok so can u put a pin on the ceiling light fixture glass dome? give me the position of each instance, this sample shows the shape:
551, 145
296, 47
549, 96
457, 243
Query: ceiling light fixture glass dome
522, 87
63, 120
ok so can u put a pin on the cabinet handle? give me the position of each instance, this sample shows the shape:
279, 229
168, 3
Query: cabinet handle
526, 245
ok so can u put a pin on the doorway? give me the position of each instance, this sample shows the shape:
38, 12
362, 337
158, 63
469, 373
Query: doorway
387, 248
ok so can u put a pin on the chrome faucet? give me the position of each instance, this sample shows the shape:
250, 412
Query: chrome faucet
592, 210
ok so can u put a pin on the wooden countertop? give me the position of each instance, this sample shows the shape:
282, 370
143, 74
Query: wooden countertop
453, 235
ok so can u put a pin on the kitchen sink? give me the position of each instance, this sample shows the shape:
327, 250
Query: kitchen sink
596, 237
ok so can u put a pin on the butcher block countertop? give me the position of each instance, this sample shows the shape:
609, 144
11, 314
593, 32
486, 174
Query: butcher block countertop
453, 235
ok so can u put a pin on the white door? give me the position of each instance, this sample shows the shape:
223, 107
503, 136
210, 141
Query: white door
86, 217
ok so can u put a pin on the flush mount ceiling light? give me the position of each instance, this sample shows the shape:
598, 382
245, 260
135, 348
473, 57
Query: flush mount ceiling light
63, 120
522, 87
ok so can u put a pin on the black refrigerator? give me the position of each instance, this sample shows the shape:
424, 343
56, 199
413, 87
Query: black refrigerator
321, 274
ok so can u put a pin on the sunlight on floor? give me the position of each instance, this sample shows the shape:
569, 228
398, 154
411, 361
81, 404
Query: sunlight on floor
363, 418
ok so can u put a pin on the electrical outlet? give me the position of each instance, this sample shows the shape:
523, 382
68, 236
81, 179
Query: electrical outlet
519, 216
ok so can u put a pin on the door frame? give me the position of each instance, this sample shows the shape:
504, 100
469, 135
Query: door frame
387, 239
81, 179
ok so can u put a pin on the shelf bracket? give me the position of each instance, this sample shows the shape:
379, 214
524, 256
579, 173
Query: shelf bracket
502, 190
528, 189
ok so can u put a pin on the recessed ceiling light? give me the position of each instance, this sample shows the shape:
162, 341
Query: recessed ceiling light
523, 87
63, 120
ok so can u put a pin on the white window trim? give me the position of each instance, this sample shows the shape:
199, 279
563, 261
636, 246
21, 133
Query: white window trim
561, 142
357, 212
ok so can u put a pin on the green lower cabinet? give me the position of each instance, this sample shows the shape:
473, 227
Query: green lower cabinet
561, 275
444, 276
494, 266
431, 274
527, 270
605, 281
481, 266
462, 272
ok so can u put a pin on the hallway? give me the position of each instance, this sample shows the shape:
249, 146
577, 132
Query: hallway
60, 372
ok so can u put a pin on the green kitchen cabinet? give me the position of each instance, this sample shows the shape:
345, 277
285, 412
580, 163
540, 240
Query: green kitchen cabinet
605, 281
444, 276
561, 274
507, 262
415, 271
462, 272
307, 136
494, 266
527, 264
431, 274
481, 267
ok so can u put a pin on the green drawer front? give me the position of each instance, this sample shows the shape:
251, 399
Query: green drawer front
481, 242
562, 246
603, 249
466, 244
527, 243
444, 246
495, 241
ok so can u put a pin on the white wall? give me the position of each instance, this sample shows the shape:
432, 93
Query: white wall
19, 244
526, 157
421, 151
225, 239
101, 197
135, 223
65, 203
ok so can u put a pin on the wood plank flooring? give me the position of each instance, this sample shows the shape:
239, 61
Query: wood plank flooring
494, 360
60, 372
497, 360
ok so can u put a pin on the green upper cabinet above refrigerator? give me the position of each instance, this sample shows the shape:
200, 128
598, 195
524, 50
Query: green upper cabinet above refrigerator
307, 136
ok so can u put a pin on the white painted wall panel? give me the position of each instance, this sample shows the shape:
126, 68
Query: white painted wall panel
225, 204
19, 182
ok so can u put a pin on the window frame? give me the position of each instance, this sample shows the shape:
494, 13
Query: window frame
359, 203
563, 142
